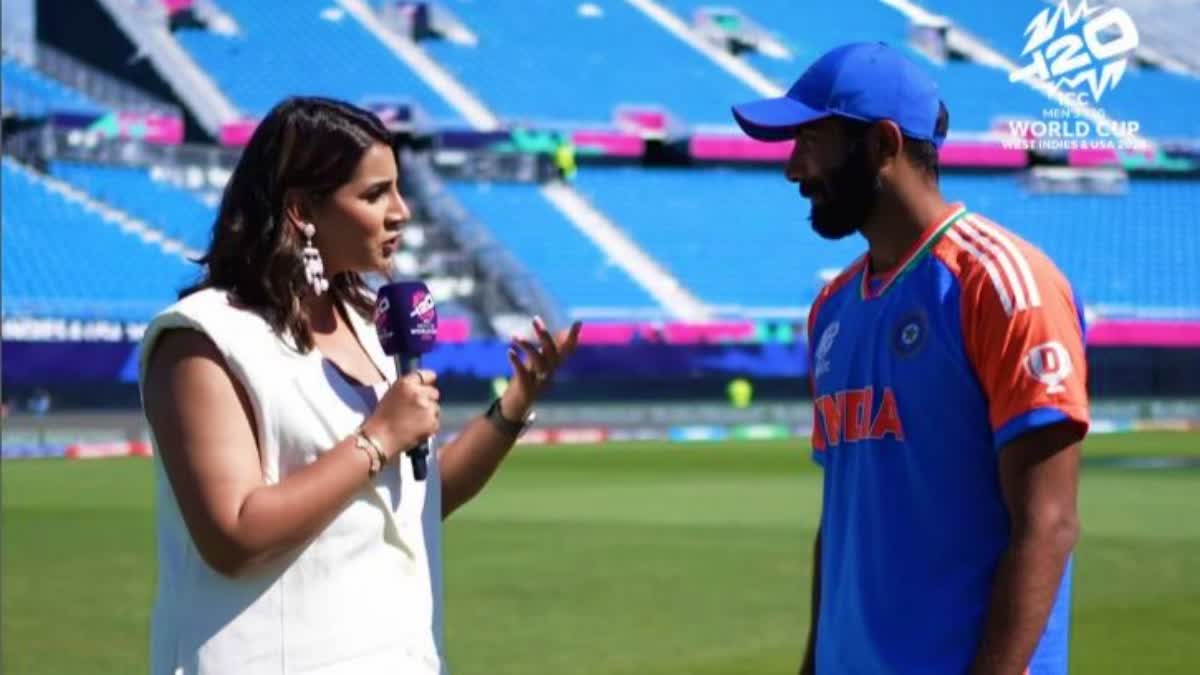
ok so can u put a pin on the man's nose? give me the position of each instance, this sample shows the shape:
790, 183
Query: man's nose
796, 168
797, 171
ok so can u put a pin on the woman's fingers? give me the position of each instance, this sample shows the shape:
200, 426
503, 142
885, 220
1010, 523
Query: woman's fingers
518, 367
422, 376
568, 340
539, 364
543, 357
549, 348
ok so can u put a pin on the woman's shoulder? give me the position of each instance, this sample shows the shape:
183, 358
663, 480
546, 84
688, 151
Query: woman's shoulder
210, 305
214, 312
237, 331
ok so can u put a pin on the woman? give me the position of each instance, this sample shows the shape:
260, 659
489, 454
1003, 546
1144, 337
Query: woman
290, 538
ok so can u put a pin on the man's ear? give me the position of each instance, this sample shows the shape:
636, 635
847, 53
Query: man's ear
885, 145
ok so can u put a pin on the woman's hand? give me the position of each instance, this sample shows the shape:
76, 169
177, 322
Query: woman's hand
534, 374
407, 414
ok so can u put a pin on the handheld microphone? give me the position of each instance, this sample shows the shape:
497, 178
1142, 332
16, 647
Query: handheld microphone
406, 321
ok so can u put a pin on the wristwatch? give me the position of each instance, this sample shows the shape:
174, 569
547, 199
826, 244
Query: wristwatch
506, 426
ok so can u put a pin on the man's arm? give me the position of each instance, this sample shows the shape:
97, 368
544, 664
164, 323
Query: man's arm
1039, 477
809, 665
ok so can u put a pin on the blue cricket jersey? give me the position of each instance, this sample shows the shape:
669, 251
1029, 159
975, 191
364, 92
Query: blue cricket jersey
920, 378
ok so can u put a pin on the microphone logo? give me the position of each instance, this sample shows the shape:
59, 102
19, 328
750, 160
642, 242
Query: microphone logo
423, 307
406, 318
382, 307
422, 322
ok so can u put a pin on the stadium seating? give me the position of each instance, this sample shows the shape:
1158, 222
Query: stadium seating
552, 60
174, 211
31, 94
1132, 254
733, 237
62, 260
975, 95
309, 47
546, 60
570, 267
1126, 254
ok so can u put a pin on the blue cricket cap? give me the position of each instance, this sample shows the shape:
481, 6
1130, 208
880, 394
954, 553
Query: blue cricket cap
865, 81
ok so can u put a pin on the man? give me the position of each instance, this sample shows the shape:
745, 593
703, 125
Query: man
949, 386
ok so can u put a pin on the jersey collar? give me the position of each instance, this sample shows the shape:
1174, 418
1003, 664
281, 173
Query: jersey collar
918, 250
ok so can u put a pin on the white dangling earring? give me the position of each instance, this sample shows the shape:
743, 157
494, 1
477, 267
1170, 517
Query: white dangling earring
314, 269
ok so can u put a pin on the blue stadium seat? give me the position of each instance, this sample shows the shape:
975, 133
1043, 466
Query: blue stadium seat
311, 47
32, 94
174, 211
543, 60
734, 237
62, 260
1132, 254
570, 267
975, 95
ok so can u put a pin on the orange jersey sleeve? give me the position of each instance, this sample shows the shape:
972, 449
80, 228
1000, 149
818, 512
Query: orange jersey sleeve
1023, 332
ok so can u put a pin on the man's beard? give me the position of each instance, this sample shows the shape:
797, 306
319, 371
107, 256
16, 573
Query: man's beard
852, 190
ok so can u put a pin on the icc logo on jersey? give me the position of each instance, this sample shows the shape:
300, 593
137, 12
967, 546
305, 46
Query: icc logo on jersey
823, 348
1050, 364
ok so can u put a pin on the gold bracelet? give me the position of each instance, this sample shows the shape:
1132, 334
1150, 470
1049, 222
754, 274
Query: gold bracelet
372, 444
363, 442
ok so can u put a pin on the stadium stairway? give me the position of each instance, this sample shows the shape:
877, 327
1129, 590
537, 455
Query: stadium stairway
175, 212
668, 297
610, 47
194, 86
69, 254
126, 222
259, 66
30, 93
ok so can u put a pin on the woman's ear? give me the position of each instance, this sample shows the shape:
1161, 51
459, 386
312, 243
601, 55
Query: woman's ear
296, 210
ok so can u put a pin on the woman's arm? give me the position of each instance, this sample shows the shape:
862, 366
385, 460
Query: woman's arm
204, 427
471, 459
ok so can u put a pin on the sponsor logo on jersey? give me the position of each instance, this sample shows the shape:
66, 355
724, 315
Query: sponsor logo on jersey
1050, 364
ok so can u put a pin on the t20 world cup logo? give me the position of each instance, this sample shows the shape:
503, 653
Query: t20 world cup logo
422, 306
423, 316
1086, 45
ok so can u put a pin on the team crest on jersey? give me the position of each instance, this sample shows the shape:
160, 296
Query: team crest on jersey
824, 346
909, 334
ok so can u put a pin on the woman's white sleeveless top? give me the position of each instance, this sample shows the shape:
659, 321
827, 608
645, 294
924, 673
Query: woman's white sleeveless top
362, 597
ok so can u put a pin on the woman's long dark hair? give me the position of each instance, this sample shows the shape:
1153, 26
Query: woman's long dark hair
309, 145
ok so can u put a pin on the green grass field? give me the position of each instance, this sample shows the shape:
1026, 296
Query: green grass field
622, 559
